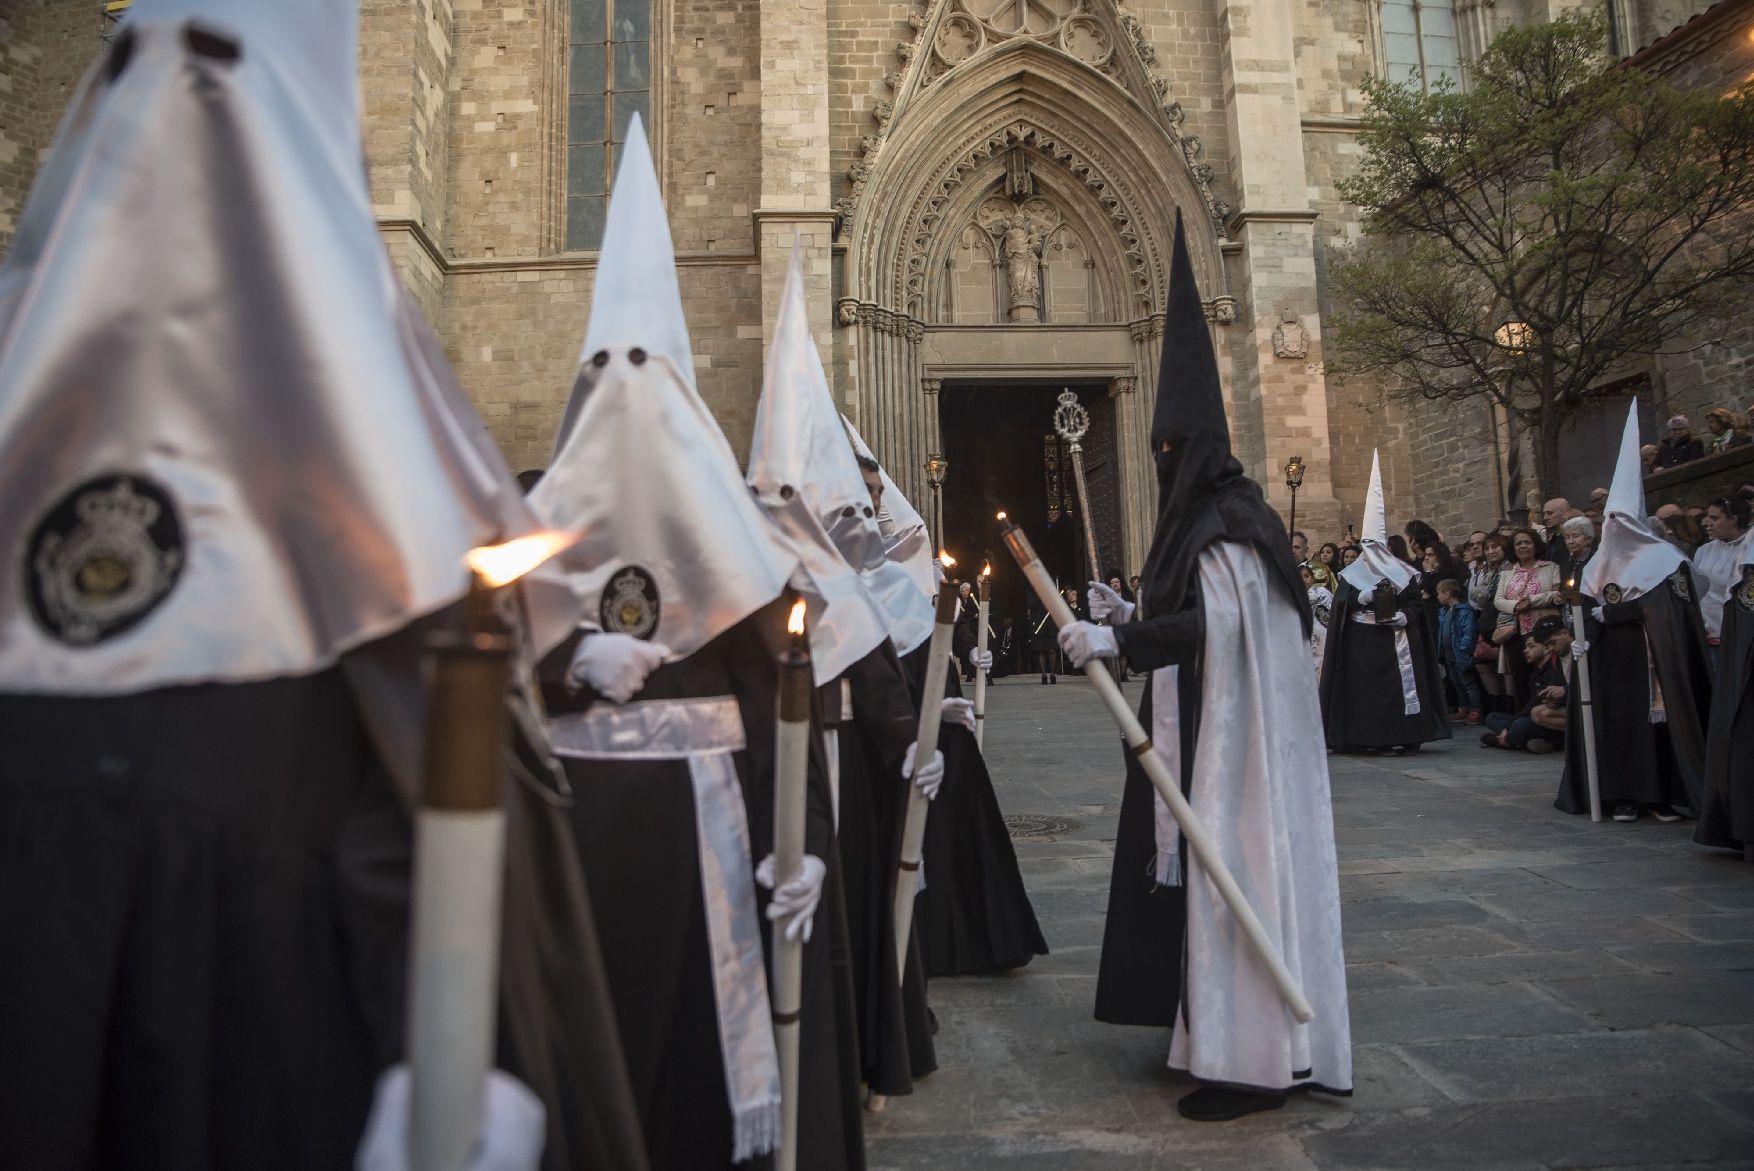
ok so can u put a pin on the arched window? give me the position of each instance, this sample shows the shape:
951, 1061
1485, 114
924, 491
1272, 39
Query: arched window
1419, 42
609, 79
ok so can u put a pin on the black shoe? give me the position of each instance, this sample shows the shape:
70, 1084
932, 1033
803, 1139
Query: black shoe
1626, 811
1053, 678
1222, 1104
1044, 680
1664, 813
1489, 740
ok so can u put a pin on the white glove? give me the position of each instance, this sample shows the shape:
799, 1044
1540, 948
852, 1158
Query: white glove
1366, 597
931, 774
959, 711
1579, 648
980, 660
1104, 602
1082, 642
615, 665
795, 902
1598, 614
513, 1127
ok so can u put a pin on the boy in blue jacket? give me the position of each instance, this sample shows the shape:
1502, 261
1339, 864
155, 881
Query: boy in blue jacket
1455, 648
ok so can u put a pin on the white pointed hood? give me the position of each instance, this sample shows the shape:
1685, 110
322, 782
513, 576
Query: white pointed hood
1630, 555
907, 542
802, 471
1375, 561
227, 452
674, 547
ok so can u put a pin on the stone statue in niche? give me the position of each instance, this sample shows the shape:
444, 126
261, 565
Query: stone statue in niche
1290, 338
1023, 268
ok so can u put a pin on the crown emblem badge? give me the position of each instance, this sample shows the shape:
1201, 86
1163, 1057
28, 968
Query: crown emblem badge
629, 604
103, 558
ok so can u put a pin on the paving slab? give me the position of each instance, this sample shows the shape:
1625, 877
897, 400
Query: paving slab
1528, 990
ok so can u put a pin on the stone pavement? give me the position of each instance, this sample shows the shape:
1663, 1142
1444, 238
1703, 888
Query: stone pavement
1528, 990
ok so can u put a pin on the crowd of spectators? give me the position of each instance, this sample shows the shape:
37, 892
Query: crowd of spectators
1727, 429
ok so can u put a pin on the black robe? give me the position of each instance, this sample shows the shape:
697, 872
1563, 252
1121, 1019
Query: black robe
1636, 760
1726, 815
894, 1031
634, 822
974, 915
1139, 978
204, 898
1361, 678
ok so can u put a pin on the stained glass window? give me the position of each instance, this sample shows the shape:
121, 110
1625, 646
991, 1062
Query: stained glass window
609, 79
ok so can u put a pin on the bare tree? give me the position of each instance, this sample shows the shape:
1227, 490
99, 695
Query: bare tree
1530, 239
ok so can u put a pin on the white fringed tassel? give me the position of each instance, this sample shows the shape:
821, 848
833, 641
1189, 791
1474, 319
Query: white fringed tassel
756, 1131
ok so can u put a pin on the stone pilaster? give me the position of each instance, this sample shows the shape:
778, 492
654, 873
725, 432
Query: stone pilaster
795, 199
1278, 390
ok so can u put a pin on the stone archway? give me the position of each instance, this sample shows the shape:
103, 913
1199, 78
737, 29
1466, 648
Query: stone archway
1105, 169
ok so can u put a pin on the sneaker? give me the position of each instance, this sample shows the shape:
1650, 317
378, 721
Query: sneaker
1539, 747
1626, 811
1664, 814
1474, 717
1489, 740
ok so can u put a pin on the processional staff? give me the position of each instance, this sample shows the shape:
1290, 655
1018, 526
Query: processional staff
1199, 841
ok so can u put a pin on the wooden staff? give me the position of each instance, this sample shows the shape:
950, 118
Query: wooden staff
913, 833
1581, 673
791, 769
1204, 849
980, 673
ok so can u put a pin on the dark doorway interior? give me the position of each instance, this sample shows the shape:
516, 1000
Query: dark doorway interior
1003, 454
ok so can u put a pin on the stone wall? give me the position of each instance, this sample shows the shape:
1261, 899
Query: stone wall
45, 48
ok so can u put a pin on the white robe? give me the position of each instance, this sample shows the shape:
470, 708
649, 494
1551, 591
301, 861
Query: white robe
1260, 787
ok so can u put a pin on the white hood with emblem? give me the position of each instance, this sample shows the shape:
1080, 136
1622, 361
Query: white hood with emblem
1631, 557
907, 543
674, 547
229, 450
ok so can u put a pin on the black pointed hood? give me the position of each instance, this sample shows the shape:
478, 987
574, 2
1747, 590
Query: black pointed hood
1202, 493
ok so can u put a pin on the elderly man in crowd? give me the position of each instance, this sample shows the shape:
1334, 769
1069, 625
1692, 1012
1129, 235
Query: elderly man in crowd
1680, 447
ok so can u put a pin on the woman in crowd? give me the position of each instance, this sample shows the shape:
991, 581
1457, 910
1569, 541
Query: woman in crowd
1528, 593
1483, 580
1348, 555
1325, 566
1726, 429
1397, 545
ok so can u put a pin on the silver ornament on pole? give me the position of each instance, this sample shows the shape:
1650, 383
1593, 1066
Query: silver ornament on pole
1071, 422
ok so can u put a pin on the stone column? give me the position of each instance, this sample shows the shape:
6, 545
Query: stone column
407, 124
1278, 388
795, 159
1133, 450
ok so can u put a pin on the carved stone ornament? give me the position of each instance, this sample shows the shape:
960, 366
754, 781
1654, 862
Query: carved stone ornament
1290, 338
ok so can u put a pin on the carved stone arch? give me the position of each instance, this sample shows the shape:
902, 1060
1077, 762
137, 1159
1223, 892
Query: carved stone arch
1083, 213
1083, 127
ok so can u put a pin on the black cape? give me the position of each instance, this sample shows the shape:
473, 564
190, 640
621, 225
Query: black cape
1636, 760
894, 1031
634, 822
1726, 814
204, 893
974, 915
1361, 688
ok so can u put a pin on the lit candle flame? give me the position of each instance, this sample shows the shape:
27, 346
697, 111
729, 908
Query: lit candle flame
945, 559
795, 623
986, 569
500, 565
1001, 516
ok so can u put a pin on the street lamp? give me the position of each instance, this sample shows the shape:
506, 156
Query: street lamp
1514, 336
936, 467
1294, 468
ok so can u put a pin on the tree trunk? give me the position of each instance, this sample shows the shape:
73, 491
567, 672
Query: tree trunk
1547, 428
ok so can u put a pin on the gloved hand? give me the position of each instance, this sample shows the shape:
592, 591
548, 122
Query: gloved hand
1082, 642
795, 902
1598, 614
931, 774
1579, 648
615, 665
513, 1128
1105, 603
980, 660
959, 711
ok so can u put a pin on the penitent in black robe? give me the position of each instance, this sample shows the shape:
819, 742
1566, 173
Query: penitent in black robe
204, 897
1726, 814
1660, 763
1139, 979
874, 720
1363, 704
974, 915
634, 820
